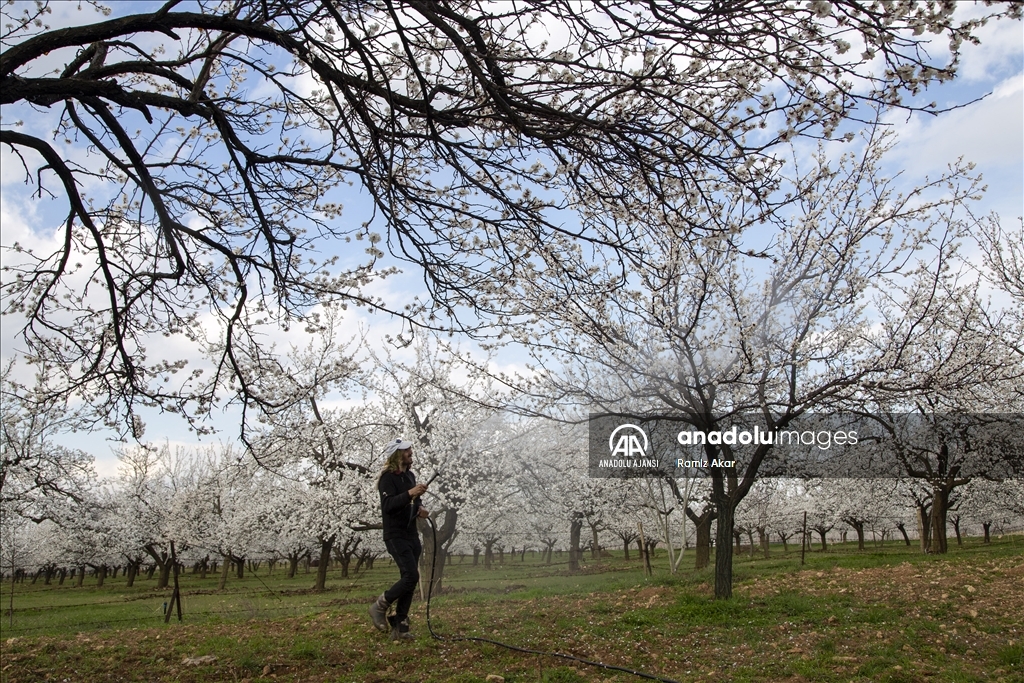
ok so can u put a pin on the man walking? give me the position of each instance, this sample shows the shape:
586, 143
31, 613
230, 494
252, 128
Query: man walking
400, 506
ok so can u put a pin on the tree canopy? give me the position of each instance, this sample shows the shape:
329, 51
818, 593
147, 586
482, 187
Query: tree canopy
197, 156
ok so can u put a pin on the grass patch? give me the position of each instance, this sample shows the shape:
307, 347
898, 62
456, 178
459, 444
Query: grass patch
893, 615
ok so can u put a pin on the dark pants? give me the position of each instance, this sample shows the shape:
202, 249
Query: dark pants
406, 553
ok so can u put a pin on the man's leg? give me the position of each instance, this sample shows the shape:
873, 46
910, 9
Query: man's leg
406, 553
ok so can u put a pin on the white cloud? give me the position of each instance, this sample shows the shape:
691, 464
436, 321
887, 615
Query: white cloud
989, 132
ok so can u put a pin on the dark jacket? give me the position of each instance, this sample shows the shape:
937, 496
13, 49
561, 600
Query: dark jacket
399, 515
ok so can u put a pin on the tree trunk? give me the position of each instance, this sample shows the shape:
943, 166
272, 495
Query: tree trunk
325, 559
940, 508
163, 562
595, 548
903, 530
858, 526
550, 550
763, 537
435, 553
702, 524
240, 567
489, 553
165, 575
924, 526
987, 526
575, 554
225, 567
130, 573
723, 548
345, 553
80, 577
956, 529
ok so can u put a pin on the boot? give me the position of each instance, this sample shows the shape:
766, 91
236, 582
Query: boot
379, 613
400, 631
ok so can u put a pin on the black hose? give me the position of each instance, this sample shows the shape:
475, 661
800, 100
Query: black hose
455, 639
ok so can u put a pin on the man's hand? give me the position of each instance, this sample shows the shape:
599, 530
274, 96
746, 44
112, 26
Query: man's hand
424, 512
417, 490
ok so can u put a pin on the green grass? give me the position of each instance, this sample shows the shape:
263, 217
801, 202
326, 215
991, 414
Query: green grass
840, 617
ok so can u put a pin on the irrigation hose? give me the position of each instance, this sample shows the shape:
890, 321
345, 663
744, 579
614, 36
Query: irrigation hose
455, 639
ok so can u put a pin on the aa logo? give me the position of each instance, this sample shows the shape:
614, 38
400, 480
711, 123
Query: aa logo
628, 444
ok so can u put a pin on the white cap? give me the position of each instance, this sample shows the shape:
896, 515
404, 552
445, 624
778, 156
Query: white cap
396, 445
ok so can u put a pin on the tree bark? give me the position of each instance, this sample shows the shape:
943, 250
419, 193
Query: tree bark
130, 573
940, 508
723, 549
489, 553
924, 526
575, 554
345, 553
987, 526
435, 551
702, 524
903, 530
225, 567
325, 558
858, 526
163, 563
763, 537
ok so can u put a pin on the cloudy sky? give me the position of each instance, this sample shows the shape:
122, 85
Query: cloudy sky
988, 132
